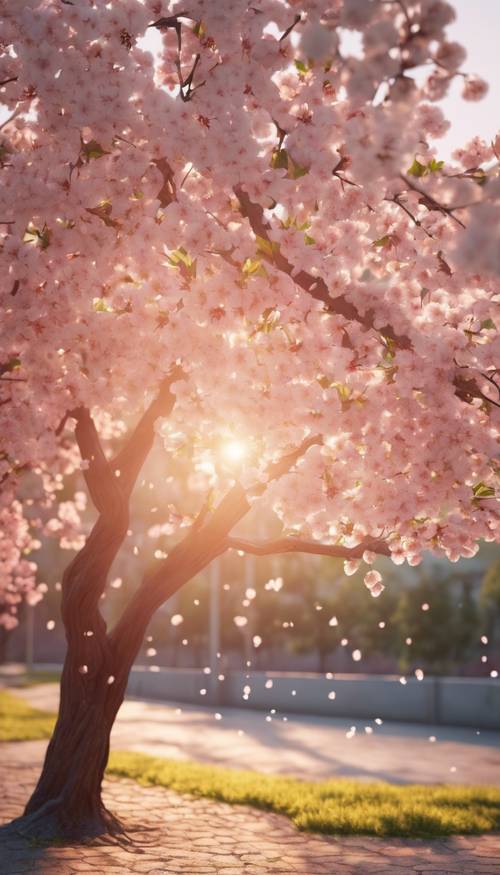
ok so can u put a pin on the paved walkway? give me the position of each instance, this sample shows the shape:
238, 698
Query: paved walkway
201, 837
309, 747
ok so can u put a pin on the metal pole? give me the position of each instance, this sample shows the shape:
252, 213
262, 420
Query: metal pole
214, 630
250, 578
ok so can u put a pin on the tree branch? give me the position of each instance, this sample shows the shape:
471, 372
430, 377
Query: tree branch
298, 545
110, 483
99, 477
314, 286
285, 463
130, 459
431, 203
290, 28
206, 539
85, 578
401, 205
190, 556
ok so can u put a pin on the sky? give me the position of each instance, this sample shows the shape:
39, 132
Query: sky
477, 28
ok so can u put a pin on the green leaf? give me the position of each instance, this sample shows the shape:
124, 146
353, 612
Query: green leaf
267, 322
343, 391
180, 258
268, 247
13, 364
488, 324
253, 267
282, 160
481, 490
434, 166
383, 242
310, 241
93, 150
416, 169
301, 66
199, 29
296, 170
37, 237
478, 175
279, 159
103, 211
100, 305
291, 222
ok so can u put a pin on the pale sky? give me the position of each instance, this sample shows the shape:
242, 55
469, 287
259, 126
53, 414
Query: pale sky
477, 28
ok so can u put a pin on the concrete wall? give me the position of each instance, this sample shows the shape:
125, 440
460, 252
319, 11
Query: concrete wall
473, 702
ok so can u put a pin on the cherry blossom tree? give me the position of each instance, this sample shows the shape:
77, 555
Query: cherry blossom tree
230, 221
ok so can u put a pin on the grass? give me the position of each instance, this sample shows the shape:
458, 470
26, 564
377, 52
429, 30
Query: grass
335, 807
20, 722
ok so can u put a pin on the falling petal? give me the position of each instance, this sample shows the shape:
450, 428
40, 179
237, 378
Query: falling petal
177, 619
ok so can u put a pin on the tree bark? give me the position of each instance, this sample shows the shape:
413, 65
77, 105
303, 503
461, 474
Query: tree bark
67, 802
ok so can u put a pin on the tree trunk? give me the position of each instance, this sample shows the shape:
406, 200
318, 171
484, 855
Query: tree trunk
67, 802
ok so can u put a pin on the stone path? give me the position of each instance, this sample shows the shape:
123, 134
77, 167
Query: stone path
177, 835
308, 747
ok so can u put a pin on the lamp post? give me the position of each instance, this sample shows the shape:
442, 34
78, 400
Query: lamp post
214, 630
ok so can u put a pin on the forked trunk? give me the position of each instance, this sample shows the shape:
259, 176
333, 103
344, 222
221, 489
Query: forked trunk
67, 803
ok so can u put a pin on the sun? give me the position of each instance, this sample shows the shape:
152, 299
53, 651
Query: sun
234, 451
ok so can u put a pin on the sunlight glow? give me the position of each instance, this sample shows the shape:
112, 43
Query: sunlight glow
234, 451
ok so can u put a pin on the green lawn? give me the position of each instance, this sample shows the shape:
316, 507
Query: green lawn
335, 807
20, 722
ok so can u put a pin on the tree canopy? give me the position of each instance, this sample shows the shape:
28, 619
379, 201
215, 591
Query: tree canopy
246, 203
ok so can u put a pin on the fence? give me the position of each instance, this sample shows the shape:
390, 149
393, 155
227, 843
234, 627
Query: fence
473, 702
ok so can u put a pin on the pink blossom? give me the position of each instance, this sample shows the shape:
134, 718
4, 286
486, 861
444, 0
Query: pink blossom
474, 88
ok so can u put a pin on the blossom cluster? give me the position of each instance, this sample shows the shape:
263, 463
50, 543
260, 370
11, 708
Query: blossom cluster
236, 189
17, 573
